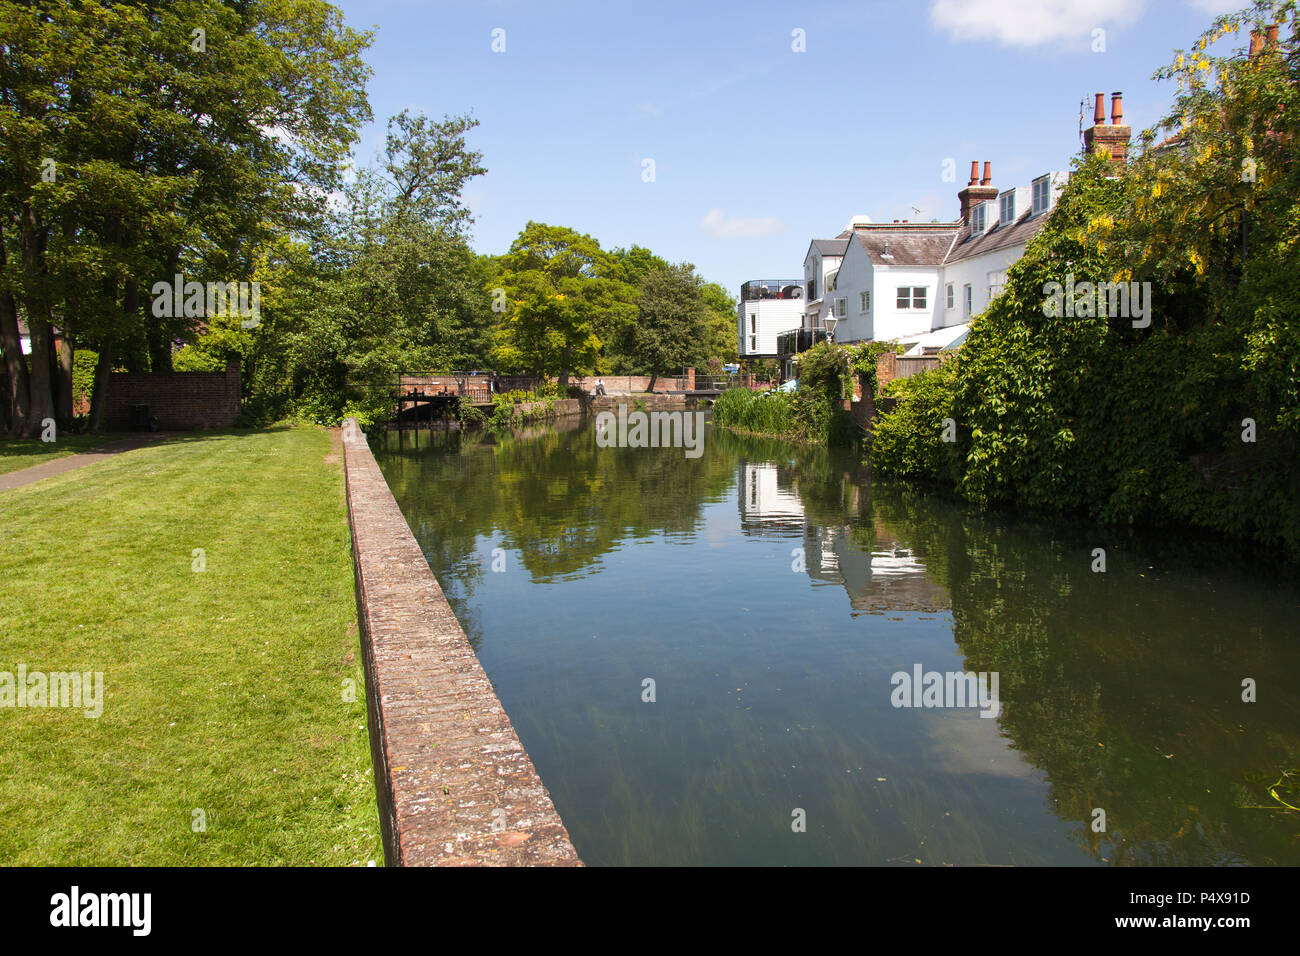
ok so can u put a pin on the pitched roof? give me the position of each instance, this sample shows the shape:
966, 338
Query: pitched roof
832, 247
912, 244
1015, 234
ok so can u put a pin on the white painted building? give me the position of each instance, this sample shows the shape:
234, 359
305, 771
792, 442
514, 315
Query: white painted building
767, 308
921, 284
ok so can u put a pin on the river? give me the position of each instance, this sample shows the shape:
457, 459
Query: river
702, 656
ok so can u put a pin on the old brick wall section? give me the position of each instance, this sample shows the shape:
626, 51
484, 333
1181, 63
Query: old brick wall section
455, 786
179, 400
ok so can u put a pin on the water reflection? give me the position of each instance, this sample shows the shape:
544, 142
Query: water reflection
772, 589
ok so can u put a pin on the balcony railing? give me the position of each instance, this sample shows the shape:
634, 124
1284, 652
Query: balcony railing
798, 340
756, 289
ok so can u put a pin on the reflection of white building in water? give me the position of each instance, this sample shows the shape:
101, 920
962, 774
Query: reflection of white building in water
766, 507
881, 580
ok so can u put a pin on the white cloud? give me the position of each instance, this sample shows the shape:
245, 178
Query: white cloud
650, 109
1028, 23
720, 227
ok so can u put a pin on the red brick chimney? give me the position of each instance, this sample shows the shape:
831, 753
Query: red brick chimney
1111, 141
977, 191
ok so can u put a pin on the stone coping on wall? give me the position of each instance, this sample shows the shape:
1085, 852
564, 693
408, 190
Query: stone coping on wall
455, 785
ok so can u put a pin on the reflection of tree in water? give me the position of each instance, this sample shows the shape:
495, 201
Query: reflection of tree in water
553, 497
1126, 689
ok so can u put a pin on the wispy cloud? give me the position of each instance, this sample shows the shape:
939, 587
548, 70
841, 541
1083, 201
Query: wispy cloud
650, 109
720, 227
1028, 23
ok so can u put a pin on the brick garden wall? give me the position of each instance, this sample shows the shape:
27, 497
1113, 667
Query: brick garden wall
179, 400
633, 384
454, 784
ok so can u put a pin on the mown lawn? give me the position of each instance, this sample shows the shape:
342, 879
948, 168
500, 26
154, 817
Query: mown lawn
224, 689
18, 453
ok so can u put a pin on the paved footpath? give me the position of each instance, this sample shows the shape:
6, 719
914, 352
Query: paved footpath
25, 476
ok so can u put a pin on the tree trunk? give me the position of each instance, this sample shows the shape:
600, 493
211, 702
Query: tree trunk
160, 348
63, 409
99, 395
36, 302
654, 377
16, 398
160, 329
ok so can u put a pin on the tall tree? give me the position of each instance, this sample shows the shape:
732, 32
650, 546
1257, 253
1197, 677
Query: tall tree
144, 139
671, 320
560, 288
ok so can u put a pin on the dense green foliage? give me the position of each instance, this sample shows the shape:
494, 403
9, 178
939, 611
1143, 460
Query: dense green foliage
135, 150
813, 412
764, 413
1194, 420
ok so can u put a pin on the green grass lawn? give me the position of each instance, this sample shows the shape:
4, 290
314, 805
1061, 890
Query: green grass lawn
224, 689
18, 453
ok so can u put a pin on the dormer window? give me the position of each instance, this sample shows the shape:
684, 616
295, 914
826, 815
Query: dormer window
1042, 194
1008, 211
978, 219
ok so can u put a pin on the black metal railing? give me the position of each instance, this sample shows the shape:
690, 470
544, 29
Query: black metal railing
798, 340
756, 289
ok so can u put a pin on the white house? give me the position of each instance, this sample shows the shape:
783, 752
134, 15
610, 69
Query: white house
767, 308
921, 283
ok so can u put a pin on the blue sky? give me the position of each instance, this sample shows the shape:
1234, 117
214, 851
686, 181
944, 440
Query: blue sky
758, 148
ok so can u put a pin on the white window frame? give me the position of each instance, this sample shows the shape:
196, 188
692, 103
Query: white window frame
865, 299
1042, 186
841, 308
968, 300
977, 220
1007, 209
912, 297
997, 280
950, 299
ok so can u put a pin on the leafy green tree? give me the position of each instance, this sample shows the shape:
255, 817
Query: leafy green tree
671, 321
722, 323
144, 140
561, 290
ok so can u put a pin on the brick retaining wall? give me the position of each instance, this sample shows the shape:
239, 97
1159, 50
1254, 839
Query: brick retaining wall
179, 400
455, 786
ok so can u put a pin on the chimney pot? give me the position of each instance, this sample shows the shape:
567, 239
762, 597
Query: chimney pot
1099, 110
988, 173
1256, 42
1270, 37
1116, 109
974, 172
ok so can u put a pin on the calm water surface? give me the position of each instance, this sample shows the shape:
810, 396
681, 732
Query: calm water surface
771, 591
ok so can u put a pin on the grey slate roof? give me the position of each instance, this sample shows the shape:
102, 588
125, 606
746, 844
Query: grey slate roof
1016, 234
831, 247
913, 244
